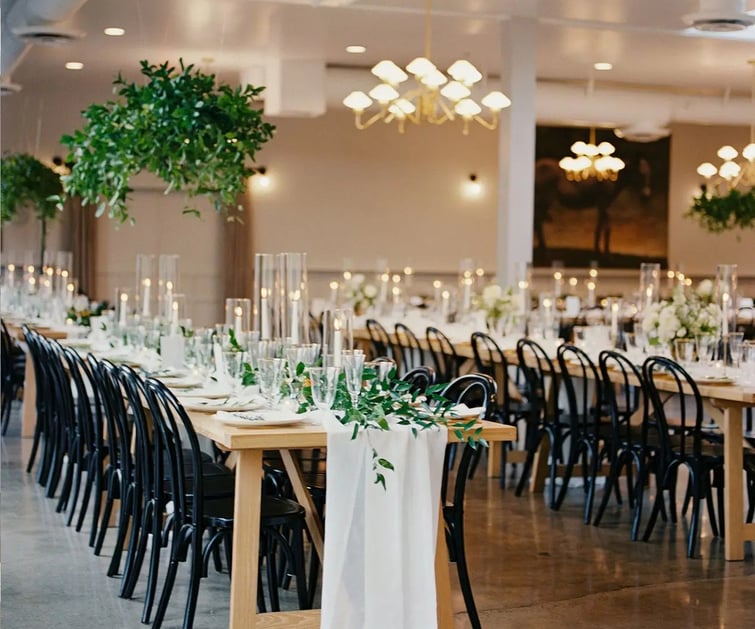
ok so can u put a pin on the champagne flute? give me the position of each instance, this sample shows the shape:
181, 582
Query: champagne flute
353, 366
324, 381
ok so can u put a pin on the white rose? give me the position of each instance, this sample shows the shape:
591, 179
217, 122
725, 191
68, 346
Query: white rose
370, 291
705, 288
357, 278
491, 292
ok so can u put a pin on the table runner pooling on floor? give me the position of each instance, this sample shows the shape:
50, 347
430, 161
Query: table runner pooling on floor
379, 567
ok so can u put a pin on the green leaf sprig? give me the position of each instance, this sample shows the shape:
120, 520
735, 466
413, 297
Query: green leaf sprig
28, 182
198, 135
719, 213
392, 397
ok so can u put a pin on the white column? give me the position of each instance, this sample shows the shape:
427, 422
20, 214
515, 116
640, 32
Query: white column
516, 148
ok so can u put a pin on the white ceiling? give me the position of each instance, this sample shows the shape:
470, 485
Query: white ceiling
646, 40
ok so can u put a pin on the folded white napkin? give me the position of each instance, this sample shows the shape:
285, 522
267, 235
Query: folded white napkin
379, 568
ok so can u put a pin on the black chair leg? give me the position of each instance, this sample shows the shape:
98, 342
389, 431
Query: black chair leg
457, 535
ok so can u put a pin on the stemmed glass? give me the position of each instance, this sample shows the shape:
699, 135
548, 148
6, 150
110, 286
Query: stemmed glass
353, 366
324, 381
271, 377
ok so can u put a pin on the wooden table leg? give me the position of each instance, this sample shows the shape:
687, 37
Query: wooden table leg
29, 407
540, 467
314, 524
246, 539
495, 449
733, 505
443, 578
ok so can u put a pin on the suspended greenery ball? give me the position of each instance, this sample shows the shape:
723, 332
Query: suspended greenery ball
719, 213
198, 136
28, 182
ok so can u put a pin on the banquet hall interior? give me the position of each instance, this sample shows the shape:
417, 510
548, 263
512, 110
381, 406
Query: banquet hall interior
429, 216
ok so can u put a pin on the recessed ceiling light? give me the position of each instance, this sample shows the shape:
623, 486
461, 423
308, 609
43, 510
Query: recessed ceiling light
74, 65
602, 65
115, 31
356, 50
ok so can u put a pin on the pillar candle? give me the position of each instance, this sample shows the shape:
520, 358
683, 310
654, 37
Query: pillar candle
334, 293
237, 325
124, 308
146, 285
295, 317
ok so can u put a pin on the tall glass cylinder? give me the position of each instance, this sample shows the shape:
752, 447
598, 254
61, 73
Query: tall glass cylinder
523, 284
265, 295
167, 284
650, 283
177, 310
145, 284
726, 296
63, 271
294, 299
337, 333
238, 312
558, 278
466, 284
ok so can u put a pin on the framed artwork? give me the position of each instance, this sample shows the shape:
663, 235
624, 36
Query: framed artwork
616, 224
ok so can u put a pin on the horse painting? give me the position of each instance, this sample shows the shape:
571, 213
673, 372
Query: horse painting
602, 208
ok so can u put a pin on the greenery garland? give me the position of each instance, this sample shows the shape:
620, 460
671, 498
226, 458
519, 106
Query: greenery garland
717, 214
198, 136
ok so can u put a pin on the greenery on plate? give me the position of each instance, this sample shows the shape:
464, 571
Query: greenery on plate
198, 135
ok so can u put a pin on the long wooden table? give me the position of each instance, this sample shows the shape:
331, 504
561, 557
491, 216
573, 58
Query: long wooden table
249, 444
724, 402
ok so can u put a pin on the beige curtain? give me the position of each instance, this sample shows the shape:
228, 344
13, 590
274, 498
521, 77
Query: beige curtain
238, 278
84, 238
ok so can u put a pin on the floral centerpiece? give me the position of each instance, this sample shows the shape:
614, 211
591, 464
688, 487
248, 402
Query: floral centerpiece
684, 317
501, 307
359, 293
82, 311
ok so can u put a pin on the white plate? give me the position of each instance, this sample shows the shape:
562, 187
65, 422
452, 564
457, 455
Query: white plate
208, 392
714, 380
462, 411
206, 405
259, 419
185, 382
76, 343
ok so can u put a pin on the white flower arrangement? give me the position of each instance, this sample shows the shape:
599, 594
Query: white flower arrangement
685, 316
359, 293
501, 307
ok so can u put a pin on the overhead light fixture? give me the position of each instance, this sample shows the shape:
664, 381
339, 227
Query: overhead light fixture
436, 98
592, 160
602, 66
356, 50
74, 65
115, 31
731, 173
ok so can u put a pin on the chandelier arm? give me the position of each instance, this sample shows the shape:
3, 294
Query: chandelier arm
492, 125
361, 125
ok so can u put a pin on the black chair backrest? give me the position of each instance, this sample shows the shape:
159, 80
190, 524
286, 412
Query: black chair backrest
407, 347
444, 355
623, 384
474, 390
490, 359
538, 373
37, 344
420, 378
144, 465
688, 410
379, 339
174, 437
583, 387
88, 404
117, 420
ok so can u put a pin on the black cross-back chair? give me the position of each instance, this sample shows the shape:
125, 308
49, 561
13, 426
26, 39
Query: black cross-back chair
584, 394
380, 342
474, 390
490, 359
445, 358
544, 420
43, 440
407, 348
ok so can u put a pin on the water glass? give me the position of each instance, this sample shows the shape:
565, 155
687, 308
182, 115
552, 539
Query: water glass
271, 378
748, 365
324, 381
234, 362
382, 367
706, 346
353, 366
684, 350
733, 348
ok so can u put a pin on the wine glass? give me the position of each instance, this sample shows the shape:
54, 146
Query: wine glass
324, 381
271, 377
353, 366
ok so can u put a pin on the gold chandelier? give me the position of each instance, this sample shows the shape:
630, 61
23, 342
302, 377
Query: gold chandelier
733, 174
592, 161
435, 99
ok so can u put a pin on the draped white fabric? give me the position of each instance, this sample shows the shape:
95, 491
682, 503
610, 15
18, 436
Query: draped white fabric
379, 568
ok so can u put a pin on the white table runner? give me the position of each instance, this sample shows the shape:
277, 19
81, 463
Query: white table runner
379, 566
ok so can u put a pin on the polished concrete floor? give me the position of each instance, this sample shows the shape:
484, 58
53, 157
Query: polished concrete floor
530, 566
